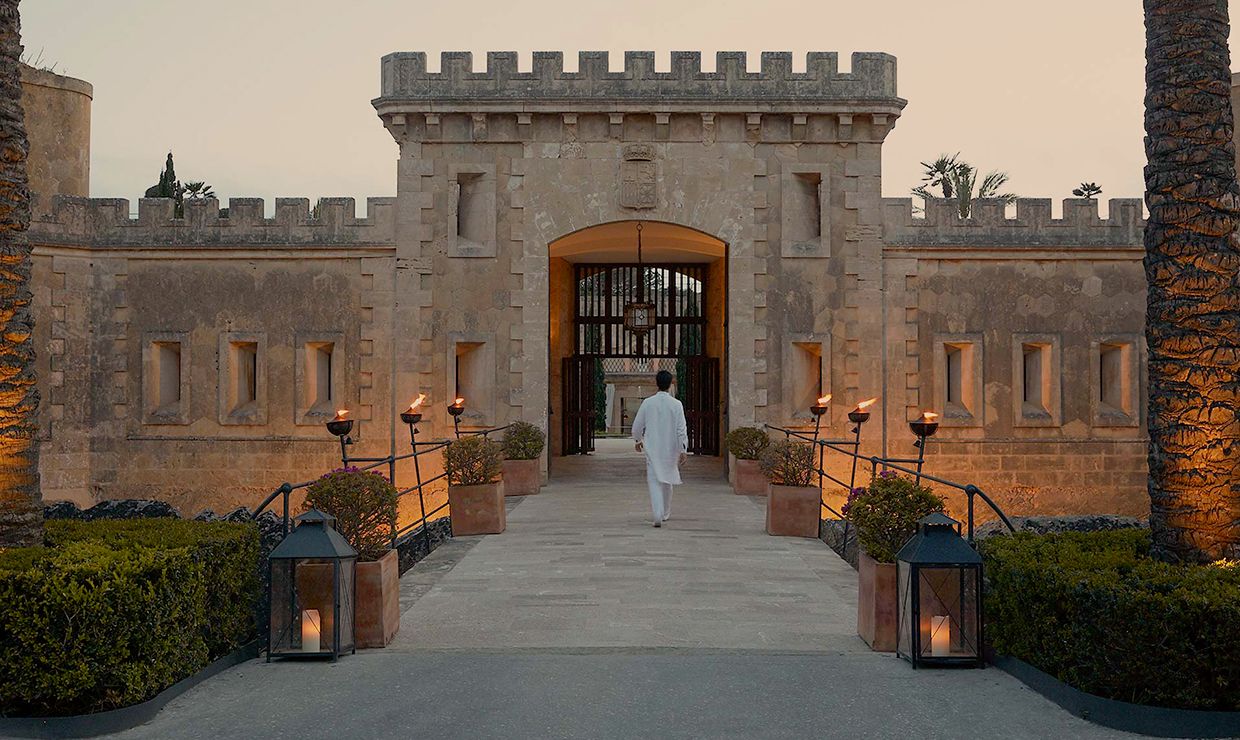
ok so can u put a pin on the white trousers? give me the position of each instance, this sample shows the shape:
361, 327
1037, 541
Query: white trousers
660, 496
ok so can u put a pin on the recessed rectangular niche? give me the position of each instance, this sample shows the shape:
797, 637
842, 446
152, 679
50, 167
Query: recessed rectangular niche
804, 211
473, 378
805, 377
243, 391
165, 379
1035, 381
472, 211
319, 377
958, 379
1114, 386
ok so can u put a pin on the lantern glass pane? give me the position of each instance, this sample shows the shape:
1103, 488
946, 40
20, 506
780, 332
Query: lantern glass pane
947, 619
316, 613
904, 609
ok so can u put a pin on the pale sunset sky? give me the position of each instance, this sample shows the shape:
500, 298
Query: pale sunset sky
268, 98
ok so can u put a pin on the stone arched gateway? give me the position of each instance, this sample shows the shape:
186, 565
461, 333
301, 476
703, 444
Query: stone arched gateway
497, 165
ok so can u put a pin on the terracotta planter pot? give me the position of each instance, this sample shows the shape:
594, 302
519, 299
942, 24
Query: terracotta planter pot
521, 477
376, 614
747, 479
477, 509
876, 603
793, 511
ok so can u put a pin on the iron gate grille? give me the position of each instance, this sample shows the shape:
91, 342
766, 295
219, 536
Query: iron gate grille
678, 292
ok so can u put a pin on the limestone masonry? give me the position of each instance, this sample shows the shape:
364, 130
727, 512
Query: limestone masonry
195, 359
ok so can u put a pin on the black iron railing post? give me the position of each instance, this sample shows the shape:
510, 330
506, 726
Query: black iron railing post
285, 490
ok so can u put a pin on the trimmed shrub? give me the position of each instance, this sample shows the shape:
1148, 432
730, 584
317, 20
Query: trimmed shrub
1092, 609
523, 441
747, 443
364, 504
110, 613
886, 513
788, 463
473, 461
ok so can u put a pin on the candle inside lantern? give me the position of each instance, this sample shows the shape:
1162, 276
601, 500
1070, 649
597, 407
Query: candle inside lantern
310, 631
940, 636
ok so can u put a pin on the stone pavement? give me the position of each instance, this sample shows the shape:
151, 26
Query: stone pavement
583, 621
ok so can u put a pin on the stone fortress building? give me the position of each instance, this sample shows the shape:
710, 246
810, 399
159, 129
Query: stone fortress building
195, 359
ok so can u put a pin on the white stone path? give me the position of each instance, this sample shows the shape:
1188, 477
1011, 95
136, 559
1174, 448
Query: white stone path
583, 621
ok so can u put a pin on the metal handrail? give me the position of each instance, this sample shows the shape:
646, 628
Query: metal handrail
418, 449
970, 490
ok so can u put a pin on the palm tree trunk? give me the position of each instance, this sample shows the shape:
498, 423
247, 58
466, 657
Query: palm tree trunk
21, 513
1192, 264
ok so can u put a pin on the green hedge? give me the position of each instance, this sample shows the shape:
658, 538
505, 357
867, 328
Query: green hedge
111, 612
1093, 610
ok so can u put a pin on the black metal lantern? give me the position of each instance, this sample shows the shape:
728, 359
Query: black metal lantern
639, 314
939, 592
310, 598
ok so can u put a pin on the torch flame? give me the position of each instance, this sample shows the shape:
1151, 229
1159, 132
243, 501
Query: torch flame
866, 404
459, 402
824, 400
929, 416
417, 402
340, 414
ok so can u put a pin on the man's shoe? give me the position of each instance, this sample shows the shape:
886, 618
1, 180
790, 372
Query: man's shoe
658, 523
667, 516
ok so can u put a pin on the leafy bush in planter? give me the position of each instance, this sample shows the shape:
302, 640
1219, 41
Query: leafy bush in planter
111, 612
473, 461
364, 504
1092, 609
886, 513
788, 463
747, 443
523, 441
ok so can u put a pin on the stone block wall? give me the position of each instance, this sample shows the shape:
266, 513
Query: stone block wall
1067, 290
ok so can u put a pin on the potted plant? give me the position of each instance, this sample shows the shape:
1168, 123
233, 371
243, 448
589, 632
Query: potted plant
365, 508
746, 445
523, 445
793, 504
475, 493
885, 514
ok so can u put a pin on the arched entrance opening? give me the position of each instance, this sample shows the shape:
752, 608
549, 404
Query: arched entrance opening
601, 366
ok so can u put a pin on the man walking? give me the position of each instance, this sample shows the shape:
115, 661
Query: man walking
659, 429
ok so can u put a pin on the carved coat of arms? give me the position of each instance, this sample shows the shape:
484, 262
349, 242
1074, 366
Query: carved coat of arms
638, 181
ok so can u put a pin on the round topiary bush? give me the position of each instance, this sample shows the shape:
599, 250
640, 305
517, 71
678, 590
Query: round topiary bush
364, 504
473, 461
747, 443
523, 441
886, 513
788, 463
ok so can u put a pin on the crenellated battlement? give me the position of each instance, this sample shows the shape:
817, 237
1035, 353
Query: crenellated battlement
106, 222
1033, 225
405, 79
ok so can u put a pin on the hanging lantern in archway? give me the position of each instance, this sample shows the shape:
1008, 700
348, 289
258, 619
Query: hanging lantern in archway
639, 314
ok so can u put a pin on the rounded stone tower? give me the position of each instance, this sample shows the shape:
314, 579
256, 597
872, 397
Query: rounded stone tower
58, 125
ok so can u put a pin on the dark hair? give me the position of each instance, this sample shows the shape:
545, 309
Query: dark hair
663, 379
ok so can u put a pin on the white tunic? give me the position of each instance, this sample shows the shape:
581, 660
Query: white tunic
660, 427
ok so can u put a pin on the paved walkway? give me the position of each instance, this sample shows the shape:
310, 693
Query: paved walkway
583, 621
581, 566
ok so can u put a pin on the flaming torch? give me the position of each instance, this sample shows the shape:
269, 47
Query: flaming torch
861, 414
413, 414
456, 408
341, 425
820, 407
858, 416
924, 428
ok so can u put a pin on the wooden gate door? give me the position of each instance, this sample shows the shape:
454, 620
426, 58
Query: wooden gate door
701, 400
578, 420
